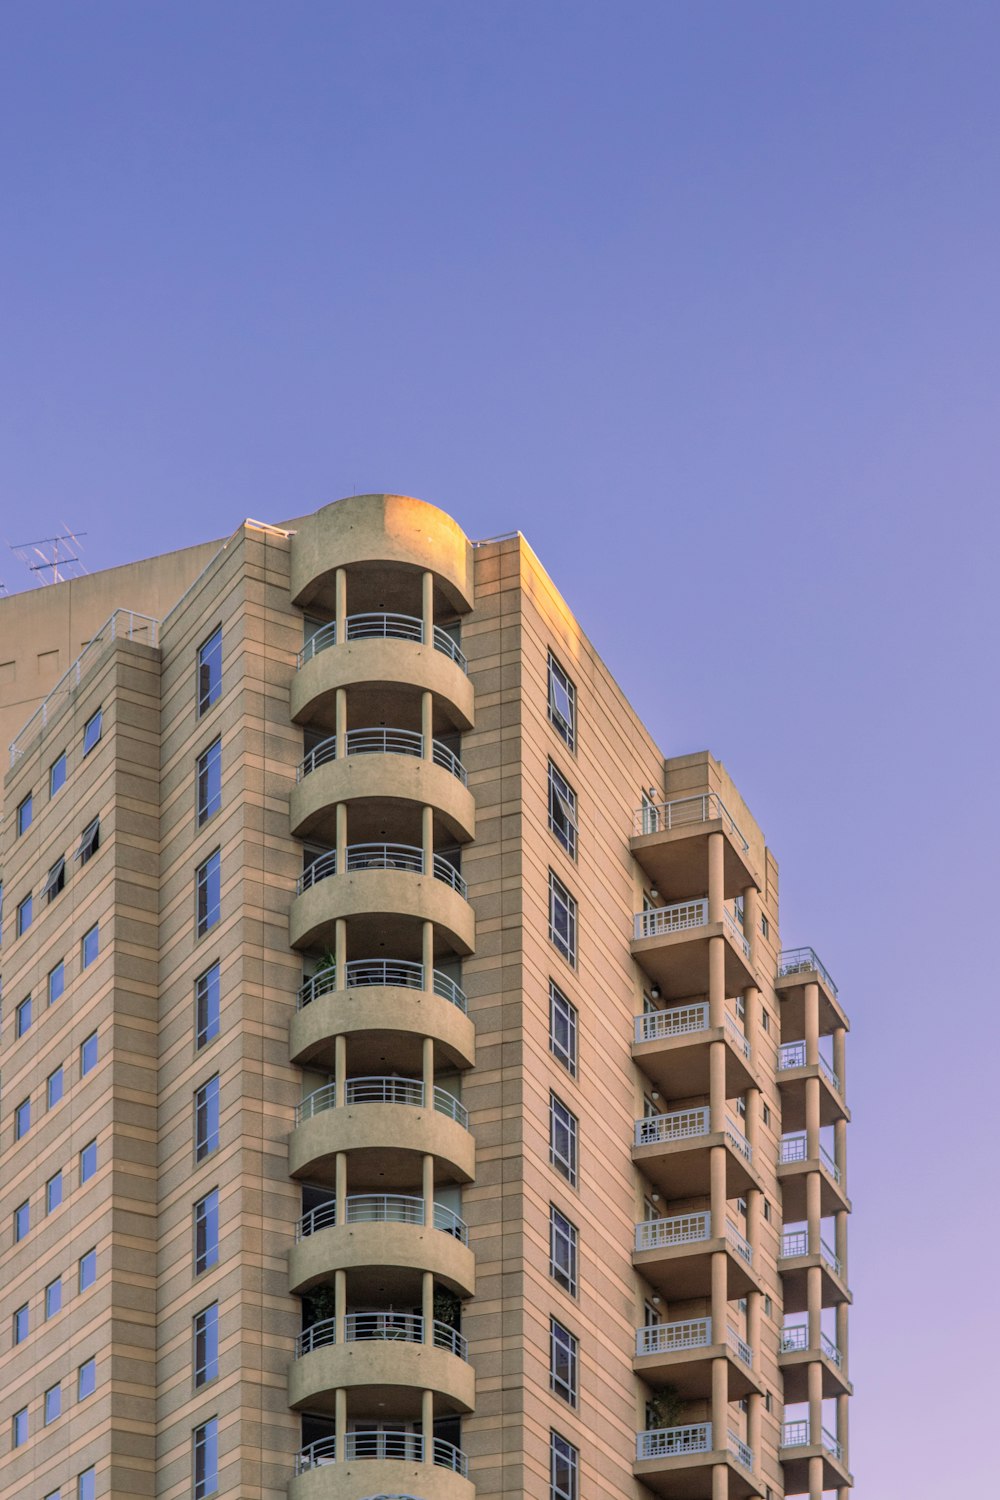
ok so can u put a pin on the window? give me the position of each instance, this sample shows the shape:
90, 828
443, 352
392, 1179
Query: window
24, 815
55, 881
57, 774
765, 927
206, 1231
208, 887
767, 1210
562, 1028
206, 1119
564, 1469
54, 1191
24, 915
765, 1019
57, 982
19, 1433
209, 671
53, 1297
562, 1139
90, 841
650, 813
766, 1113
22, 1017
768, 1306
86, 1379
562, 1250
768, 1403
21, 1324
53, 1495
563, 1350
562, 810
54, 1087
88, 1161
22, 1221
86, 1485
562, 703
206, 1345
91, 946
206, 1459
206, 1005
88, 1054
86, 1270
92, 731
53, 1403
209, 782
562, 919
22, 1119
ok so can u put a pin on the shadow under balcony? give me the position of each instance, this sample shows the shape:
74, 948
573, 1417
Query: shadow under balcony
387, 882
793, 1072
794, 1264
670, 843
674, 1254
673, 1046
798, 967
794, 1358
794, 1166
674, 1151
388, 1124
797, 1449
387, 1351
671, 943
384, 1238
680, 1354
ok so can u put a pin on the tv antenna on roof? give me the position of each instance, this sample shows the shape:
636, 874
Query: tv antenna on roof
53, 559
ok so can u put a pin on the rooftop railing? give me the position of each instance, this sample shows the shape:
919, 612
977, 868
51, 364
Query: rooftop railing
678, 1229
375, 1090
406, 857
682, 812
678, 1125
381, 626
381, 742
804, 961
674, 1442
667, 1338
391, 973
381, 1208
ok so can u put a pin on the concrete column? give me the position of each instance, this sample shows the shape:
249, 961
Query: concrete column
340, 1185
427, 839
840, 1150
340, 953
716, 876
720, 1298
755, 1407
427, 724
840, 1237
720, 1404
428, 1190
814, 1304
841, 1315
816, 1477
813, 1211
754, 1301
428, 1072
717, 1086
839, 1056
341, 837
843, 1406
717, 1179
751, 918
751, 1119
716, 980
812, 1025
427, 954
814, 1375
427, 1305
340, 603
751, 1013
340, 1302
340, 1420
753, 1196
340, 1068
812, 1118
340, 722
427, 610
427, 1424
720, 1474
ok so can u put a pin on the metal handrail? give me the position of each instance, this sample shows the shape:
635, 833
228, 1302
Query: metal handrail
829, 1163
739, 1037
445, 870
320, 639
678, 1125
739, 1346
381, 1208
381, 742
656, 1025
443, 642
316, 1102
448, 1222
830, 1075
381, 1090
408, 1328
794, 1242
447, 1456
804, 961
384, 626
442, 755
793, 1148
315, 1455
317, 1336
385, 857
736, 933
740, 1450
738, 1140
831, 1257
830, 1349
660, 921
677, 1229
656, 817
325, 751
668, 1442
321, 868
739, 1243
795, 1339
323, 1216
408, 1446
664, 1338
791, 1055
795, 1434
389, 973
831, 1444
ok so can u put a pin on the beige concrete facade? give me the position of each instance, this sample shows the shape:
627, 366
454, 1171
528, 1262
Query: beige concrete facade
524, 1137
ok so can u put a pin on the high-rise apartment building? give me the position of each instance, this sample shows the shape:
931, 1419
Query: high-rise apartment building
403, 1088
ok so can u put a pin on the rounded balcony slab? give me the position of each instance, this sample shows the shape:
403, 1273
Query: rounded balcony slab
389, 1135
381, 660
412, 1247
359, 1479
383, 894
382, 778
378, 1010
395, 1366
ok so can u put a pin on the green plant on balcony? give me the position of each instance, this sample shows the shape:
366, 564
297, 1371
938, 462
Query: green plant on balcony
665, 1407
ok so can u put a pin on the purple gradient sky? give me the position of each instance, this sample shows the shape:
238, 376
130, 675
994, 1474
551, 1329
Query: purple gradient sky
702, 298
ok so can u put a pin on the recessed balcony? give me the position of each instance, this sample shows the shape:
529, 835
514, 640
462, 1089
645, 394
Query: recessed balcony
794, 1264
674, 1152
674, 1254
678, 1462
672, 1047
386, 1002
798, 967
387, 1463
797, 1449
389, 1123
795, 1356
386, 1233
794, 1165
793, 1071
394, 1351
671, 944
670, 842
680, 1354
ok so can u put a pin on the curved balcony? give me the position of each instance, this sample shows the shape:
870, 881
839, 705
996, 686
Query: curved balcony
383, 998
391, 532
672, 1047
384, 765
381, 880
389, 1231
674, 1254
381, 648
384, 1463
390, 1124
671, 944
678, 1461
390, 1350
674, 1151
681, 1354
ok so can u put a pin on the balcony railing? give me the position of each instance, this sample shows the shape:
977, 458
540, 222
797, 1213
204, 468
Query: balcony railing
657, 1025
804, 961
739, 1037
655, 817
660, 921
795, 1148
406, 1328
795, 1340
674, 1442
667, 1338
393, 973
381, 742
381, 1208
377, 1090
740, 1347
740, 1245
796, 1435
678, 1229
738, 1140
407, 1446
679, 1125
367, 627
796, 1242
736, 933
793, 1055
406, 857
740, 1451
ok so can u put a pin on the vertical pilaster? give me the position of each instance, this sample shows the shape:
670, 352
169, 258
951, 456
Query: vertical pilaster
717, 1087
811, 1007
427, 724
427, 609
340, 603
716, 981
813, 1211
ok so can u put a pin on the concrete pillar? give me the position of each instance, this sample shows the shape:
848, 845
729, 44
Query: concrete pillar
840, 1150
340, 603
720, 1474
816, 1477
341, 837
427, 724
428, 1190
340, 722
814, 1304
340, 953
340, 1421
813, 1211
427, 1305
340, 1068
840, 1246
340, 1185
717, 1180
428, 1072
427, 1424
840, 1057
427, 954
427, 610
842, 1335
754, 1197
751, 1119
812, 1118
751, 919
812, 1025
720, 1298
755, 1407
751, 1013
427, 839
814, 1374
843, 1406
340, 1302
754, 1302
716, 876
716, 980
720, 1403
717, 1086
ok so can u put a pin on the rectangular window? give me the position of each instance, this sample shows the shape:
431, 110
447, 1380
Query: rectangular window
90, 946
90, 841
86, 1379
209, 782
206, 1459
53, 1297
767, 1210
768, 1306
562, 919
206, 1345
86, 1485
21, 1324
206, 1004
19, 1428
55, 881
54, 1087
57, 982
88, 1161
22, 1017
24, 915
88, 1054
562, 1028
209, 671
57, 774
53, 1403
564, 1469
765, 1020
208, 890
562, 810
24, 815
86, 1270
206, 1119
562, 1139
563, 1355
765, 927
22, 1119
206, 1232
92, 731
562, 703
54, 1191
562, 1250
766, 1113
22, 1221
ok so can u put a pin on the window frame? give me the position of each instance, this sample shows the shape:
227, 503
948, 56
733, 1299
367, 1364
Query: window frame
55, 881
208, 683
22, 1119
563, 800
54, 1191
559, 678
85, 1066
91, 1366
86, 1159
90, 841
207, 1005
205, 1345
88, 1490
95, 933
559, 895
564, 1353
564, 1155
52, 1404
22, 1212
25, 915
53, 1297
25, 814
567, 1277
22, 1026
19, 1428
206, 1118
568, 1056
563, 1452
210, 868
206, 1221
56, 1080
60, 969
206, 802
21, 1324
90, 742
60, 761
205, 1448
87, 1262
